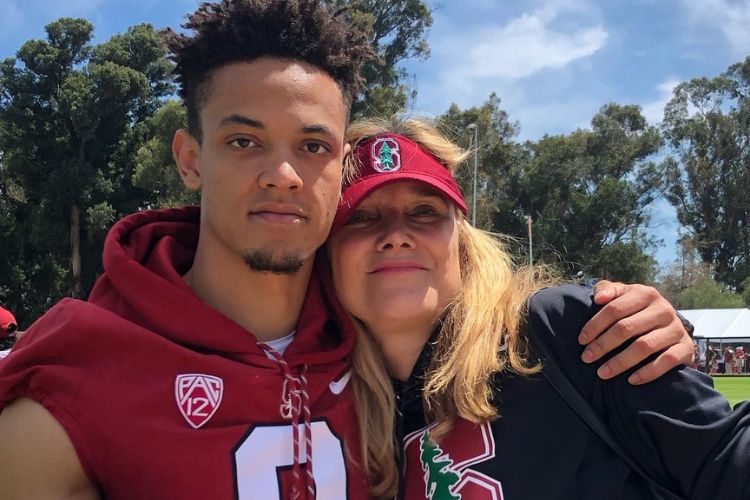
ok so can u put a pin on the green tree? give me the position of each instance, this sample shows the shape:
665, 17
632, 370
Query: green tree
709, 295
707, 177
439, 476
746, 291
686, 272
30, 278
587, 192
399, 31
497, 169
72, 115
155, 171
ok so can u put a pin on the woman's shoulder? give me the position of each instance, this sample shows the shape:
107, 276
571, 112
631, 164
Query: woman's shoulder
564, 307
556, 316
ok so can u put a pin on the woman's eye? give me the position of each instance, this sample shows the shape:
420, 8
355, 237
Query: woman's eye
241, 143
361, 218
424, 211
315, 148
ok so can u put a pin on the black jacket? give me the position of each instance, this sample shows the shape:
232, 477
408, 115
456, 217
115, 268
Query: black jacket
678, 428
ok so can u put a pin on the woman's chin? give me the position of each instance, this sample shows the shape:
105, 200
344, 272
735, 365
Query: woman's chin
400, 315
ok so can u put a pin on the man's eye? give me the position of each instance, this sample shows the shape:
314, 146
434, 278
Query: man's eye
241, 143
316, 148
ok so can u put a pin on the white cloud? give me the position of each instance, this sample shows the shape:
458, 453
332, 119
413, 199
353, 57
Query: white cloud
654, 110
528, 45
731, 17
521, 48
524, 59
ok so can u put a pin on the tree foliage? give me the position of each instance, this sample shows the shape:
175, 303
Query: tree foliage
155, 170
746, 291
707, 124
72, 117
496, 150
709, 295
688, 271
399, 32
587, 192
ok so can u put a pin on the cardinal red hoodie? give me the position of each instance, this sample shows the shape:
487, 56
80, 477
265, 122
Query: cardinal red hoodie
164, 397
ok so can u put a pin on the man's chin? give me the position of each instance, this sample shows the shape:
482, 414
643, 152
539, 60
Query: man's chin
274, 263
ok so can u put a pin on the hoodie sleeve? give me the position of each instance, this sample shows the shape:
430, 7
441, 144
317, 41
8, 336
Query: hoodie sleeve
679, 428
36, 369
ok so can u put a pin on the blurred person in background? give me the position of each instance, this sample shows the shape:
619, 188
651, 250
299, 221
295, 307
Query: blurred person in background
8, 330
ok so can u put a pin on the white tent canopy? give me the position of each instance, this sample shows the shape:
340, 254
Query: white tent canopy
720, 324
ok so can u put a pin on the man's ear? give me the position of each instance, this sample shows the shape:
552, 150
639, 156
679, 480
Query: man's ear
346, 172
185, 149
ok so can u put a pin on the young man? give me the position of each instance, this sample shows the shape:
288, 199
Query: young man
211, 360
156, 387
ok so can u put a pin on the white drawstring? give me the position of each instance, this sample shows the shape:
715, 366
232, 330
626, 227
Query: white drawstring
295, 400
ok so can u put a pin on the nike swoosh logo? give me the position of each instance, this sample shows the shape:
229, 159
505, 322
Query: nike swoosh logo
337, 386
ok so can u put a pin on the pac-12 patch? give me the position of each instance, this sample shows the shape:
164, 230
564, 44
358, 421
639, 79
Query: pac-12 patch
198, 397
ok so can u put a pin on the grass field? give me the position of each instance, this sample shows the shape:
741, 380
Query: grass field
735, 389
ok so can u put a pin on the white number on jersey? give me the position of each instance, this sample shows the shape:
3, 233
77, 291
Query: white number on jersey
268, 449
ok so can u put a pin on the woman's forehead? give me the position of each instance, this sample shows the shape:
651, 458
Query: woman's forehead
406, 187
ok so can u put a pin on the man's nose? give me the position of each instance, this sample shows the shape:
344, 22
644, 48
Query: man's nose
281, 174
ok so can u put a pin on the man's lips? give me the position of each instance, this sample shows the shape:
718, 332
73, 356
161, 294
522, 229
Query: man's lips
278, 213
398, 266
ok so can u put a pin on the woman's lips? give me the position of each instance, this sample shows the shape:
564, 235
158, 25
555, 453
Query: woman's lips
397, 267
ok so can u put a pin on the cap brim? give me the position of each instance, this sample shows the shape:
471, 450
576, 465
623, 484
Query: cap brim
355, 194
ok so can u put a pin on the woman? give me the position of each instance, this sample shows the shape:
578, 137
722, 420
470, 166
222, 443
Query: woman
460, 331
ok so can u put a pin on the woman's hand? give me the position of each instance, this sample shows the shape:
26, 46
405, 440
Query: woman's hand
635, 312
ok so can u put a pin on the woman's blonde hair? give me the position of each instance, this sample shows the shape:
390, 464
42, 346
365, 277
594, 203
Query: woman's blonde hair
481, 332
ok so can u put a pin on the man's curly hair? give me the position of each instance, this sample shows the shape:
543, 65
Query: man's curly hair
233, 31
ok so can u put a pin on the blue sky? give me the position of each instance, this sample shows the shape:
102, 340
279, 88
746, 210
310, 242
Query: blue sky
553, 63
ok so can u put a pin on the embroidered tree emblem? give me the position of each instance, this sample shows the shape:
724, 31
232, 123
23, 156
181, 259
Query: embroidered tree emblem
439, 476
386, 156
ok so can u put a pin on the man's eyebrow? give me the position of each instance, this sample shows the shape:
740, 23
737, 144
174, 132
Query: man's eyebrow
318, 129
244, 120
241, 120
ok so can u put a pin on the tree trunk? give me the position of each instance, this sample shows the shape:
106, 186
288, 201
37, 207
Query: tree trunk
75, 251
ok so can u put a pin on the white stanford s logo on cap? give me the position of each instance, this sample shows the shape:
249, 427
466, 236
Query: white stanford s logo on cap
198, 397
386, 155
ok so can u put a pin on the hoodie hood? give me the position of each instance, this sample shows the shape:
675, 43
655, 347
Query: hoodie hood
145, 256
